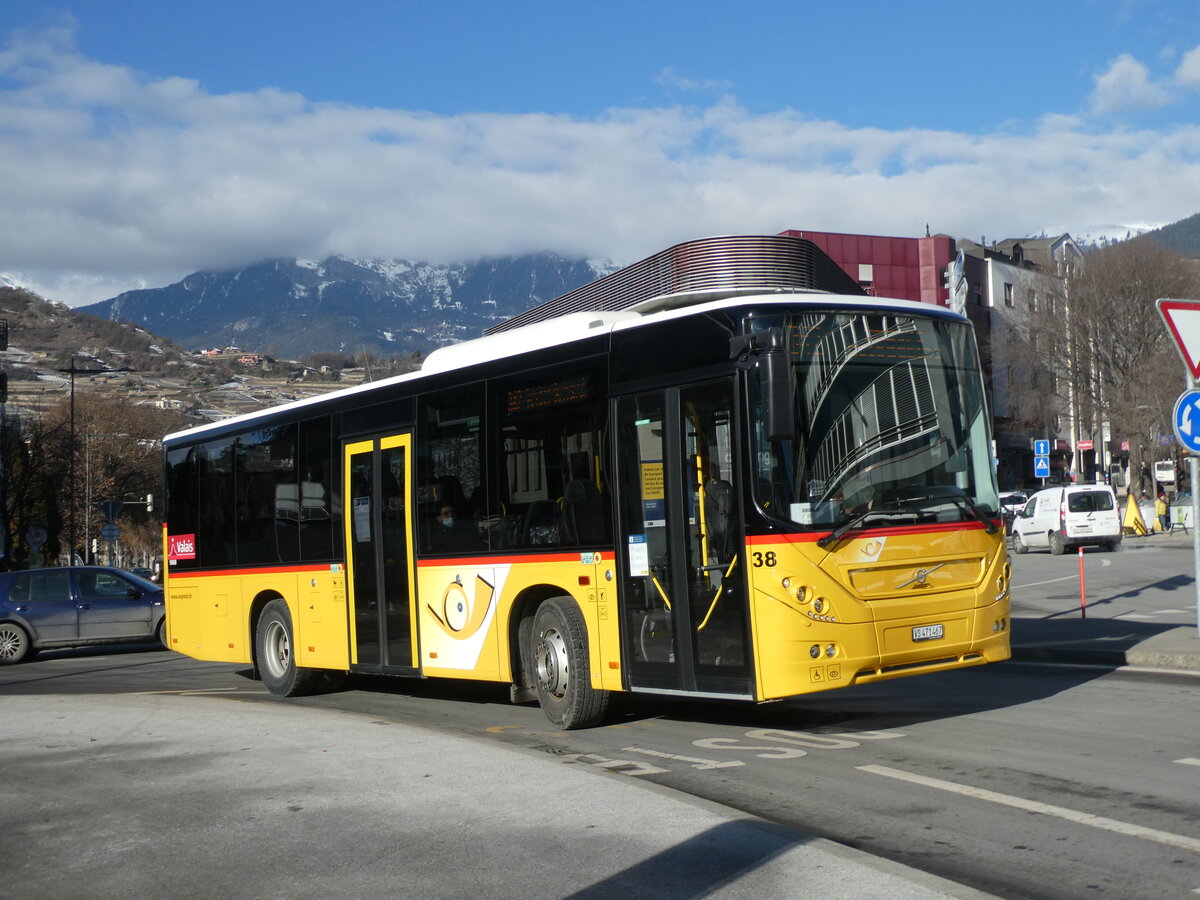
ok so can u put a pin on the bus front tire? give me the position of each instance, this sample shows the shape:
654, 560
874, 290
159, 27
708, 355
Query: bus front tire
276, 663
561, 671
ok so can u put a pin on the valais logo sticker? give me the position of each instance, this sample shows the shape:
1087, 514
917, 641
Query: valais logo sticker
181, 546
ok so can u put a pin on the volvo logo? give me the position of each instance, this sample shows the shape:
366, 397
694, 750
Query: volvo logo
921, 575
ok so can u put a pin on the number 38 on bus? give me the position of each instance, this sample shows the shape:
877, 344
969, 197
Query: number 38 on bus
739, 486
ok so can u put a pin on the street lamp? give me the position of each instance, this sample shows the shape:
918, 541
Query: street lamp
73, 371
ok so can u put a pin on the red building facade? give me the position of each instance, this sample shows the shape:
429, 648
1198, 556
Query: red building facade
908, 268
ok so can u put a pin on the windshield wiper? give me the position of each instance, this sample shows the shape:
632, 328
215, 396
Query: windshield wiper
855, 521
960, 499
974, 510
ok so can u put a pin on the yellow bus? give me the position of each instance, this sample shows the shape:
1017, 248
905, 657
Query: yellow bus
742, 489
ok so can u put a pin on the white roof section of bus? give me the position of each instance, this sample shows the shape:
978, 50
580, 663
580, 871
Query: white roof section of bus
580, 325
552, 332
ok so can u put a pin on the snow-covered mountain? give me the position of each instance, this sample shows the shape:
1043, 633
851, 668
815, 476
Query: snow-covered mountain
289, 307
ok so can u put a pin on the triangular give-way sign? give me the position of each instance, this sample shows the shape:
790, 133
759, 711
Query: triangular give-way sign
1182, 318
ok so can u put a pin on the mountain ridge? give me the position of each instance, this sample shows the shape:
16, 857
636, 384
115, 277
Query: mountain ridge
289, 307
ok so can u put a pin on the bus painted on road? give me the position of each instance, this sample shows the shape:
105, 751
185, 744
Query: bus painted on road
749, 493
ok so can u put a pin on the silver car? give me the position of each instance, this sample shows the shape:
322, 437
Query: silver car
70, 606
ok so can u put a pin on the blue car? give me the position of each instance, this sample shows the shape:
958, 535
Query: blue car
70, 606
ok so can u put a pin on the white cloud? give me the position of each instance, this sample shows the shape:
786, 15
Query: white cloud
1127, 87
1188, 73
111, 180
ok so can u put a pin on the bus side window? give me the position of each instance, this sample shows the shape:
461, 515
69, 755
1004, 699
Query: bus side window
450, 471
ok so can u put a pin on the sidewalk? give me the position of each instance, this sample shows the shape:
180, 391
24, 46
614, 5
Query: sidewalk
129, 796
1106, 642
1112, 642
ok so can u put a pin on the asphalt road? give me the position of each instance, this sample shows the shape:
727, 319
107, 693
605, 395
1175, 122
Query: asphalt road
1017, 780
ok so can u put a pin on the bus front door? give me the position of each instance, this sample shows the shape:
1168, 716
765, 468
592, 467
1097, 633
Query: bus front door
379, 553
684, 612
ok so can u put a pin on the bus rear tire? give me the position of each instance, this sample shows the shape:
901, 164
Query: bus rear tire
276, 664
560, 667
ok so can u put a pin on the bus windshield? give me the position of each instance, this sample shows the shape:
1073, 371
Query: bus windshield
891, 424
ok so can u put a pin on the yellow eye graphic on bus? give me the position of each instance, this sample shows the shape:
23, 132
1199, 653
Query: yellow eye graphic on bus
460, 616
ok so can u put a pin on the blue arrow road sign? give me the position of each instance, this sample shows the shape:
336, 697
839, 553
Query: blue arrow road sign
1041, 467
1187, 420
1041, 448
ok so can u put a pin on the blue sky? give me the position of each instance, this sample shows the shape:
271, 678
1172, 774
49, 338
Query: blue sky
141, 141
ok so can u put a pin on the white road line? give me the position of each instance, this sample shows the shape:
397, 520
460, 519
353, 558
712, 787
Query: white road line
1190, 761
617, 766
697, 763
1018, 587
1061, 812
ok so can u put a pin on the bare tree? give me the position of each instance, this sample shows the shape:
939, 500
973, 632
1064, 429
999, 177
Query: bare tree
117, 450
1120, 364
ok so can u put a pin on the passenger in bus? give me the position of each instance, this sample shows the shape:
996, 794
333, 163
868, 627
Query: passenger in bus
448, 533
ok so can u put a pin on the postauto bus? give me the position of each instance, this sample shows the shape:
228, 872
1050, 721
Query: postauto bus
730, 494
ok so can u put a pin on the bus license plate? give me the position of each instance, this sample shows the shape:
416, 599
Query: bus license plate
929, 632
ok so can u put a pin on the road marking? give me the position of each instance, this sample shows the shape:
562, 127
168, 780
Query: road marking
697, 762
1061, 812
195, 692
1017, 587
1190, 761
619, 766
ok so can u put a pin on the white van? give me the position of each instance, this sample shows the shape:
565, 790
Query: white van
1068, 517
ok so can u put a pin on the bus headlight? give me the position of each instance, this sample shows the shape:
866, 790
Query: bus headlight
831, 651
815, 651
802, 592
819, 605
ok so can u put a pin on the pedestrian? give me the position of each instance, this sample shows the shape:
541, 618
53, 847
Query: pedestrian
1161, 510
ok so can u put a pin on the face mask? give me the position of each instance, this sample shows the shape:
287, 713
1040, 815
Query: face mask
448, 521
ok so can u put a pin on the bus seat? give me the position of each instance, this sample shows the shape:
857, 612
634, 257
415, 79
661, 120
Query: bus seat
542, 525
583, 512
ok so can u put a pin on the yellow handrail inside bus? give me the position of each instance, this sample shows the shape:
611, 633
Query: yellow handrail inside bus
717, 596
661, 592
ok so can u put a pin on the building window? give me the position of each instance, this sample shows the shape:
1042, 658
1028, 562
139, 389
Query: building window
1033, 301
976, 294
1008, 294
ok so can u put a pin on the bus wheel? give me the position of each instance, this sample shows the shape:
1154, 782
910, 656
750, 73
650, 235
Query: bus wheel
14, 643
276, 664
560, 666
160, 633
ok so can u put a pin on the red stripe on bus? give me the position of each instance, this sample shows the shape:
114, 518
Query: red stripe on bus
801, 537
271, 570
503, 560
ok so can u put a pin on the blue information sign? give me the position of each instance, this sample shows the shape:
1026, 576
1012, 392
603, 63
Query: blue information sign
1041, 467
1041, 448
1187, 420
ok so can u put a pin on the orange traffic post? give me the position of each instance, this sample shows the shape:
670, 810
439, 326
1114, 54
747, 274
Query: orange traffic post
1082, 589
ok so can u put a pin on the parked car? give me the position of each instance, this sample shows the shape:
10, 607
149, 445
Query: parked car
1063, 518
142, 572
70, 606
1011, 503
